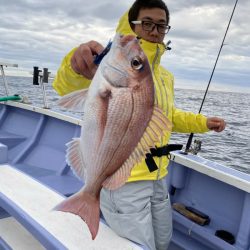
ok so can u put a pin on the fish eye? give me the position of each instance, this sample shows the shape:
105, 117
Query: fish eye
136, 63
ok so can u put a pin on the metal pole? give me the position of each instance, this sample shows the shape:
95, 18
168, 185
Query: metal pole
4, 81
189, 142
46, 106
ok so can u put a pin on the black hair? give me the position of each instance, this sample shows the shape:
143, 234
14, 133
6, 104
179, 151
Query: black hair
146, 4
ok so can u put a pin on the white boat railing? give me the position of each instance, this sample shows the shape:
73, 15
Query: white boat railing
40, 77
2, 65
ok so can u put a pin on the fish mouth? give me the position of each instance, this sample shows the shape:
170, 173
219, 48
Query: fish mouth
124, 40
120, 41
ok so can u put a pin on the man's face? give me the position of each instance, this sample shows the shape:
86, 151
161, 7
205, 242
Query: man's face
155, 15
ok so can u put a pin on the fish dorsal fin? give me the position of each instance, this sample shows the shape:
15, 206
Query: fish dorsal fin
158, 125
74, 157
74, 101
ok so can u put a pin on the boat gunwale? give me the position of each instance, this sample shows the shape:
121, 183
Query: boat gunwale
44, 111
212, 169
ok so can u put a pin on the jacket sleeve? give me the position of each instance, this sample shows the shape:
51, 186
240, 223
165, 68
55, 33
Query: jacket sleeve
184, 121
67, 80
188, 122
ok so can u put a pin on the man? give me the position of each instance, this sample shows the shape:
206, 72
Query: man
140, 210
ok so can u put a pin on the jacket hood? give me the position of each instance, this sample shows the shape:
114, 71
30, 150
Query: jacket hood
154, 51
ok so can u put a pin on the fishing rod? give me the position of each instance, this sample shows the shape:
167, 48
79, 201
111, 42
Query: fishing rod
189, 142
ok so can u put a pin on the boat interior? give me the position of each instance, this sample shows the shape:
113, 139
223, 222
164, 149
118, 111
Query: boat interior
33, 142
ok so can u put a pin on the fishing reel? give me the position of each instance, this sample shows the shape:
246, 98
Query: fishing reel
196, 147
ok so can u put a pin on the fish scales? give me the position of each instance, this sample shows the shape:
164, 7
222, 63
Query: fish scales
114, 132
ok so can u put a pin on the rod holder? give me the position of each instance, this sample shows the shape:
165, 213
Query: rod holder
46, 75
40, 78
36, 73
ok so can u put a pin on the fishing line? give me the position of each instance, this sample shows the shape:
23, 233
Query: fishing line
189, 142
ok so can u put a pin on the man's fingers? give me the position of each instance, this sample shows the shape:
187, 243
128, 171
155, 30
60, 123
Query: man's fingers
216, 124
78, 61
95, 47
82, 61
74, 65
82, 67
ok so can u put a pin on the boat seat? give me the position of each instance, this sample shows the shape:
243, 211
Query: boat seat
11, 139
31, 203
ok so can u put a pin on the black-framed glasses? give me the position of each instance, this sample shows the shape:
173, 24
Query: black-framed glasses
149, 26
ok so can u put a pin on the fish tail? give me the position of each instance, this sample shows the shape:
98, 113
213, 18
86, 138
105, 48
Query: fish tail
86, 206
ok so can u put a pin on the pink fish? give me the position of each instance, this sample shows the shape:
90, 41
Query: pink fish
120, 125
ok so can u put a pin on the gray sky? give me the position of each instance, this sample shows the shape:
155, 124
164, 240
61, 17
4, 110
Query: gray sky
40, 33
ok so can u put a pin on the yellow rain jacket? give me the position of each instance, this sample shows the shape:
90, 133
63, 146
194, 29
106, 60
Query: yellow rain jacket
67, 81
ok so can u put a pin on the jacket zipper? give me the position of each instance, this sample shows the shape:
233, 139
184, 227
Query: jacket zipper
166, 94
153, 69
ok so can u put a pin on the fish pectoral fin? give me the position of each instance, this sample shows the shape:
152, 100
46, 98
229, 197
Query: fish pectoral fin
157, 126
121, 175
159, 122
74, 157
74, 101
104, 92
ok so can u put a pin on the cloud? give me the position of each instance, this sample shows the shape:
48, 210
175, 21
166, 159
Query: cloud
42, 32
198, 30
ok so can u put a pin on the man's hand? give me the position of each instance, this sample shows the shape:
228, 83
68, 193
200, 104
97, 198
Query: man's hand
82, 61
215, 123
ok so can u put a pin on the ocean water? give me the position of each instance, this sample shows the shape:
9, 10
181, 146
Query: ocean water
230, 147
